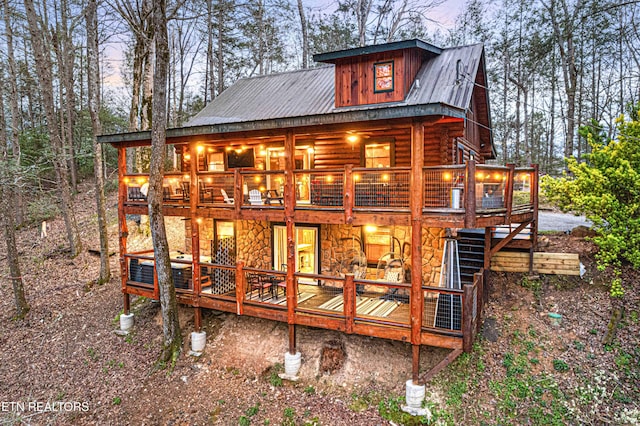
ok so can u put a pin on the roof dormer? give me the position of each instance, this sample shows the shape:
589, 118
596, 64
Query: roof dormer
377, 74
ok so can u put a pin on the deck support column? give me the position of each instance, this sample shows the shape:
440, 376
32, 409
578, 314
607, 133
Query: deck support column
416, 203
292, 357
126, 318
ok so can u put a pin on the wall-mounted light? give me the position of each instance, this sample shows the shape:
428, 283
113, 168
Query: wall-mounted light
199, 220
187, 157
310, 150
200, 149
353, 138
126, 180
329, 178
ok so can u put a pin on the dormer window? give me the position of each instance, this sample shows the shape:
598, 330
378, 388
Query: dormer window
383, 77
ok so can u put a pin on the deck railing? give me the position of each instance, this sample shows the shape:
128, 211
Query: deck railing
354, 302
444, 188
491, 184
459, 193
216, 189
262, 188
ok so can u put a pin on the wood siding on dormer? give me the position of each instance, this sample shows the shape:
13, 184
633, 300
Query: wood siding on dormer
354, 77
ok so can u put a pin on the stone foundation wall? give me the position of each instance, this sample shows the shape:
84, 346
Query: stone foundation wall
334, 238
253, 243
432, 251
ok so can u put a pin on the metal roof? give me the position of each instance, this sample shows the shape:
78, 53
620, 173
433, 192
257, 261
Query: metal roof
312, 91
443, 86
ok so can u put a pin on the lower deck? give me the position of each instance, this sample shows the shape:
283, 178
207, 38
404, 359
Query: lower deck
447, 317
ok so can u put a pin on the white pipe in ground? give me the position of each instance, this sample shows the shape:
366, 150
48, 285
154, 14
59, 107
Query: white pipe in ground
126, 322
415, 396
198, 341
291, 365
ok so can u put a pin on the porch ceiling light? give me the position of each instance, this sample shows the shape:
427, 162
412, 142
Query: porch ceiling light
480, 176
200, 148
353, 138
257, 179
370, 229
199, 220
187, 157
310, 150
356, 177
329, 178
186, 177
446, 176
141, 180
126, 180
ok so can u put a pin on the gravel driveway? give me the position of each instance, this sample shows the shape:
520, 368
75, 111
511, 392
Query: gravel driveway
551, 221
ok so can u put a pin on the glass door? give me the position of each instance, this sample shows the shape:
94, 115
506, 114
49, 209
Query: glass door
306, 250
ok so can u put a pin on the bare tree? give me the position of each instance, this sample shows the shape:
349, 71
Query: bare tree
14, 138
44, 68
168, 303
93, 83
8, 184
305, 35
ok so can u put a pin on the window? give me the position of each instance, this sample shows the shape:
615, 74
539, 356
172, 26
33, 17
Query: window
378, 155
383, 77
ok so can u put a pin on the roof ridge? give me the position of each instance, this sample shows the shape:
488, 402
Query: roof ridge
285, 72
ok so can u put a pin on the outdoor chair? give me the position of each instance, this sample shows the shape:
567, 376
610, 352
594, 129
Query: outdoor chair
255, 198
206, 194
258, 282
135, 194
226, 197
186, 189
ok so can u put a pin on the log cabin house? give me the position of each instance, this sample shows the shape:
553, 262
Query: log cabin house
324, 197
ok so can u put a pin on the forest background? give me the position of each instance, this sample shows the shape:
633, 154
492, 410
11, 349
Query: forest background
553, 66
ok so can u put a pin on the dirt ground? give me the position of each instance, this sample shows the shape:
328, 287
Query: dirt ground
66, 357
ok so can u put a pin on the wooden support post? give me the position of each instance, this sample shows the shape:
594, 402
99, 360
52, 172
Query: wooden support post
415, 364
470, 197
349, 294
508, 192
416, 202
534, 223
467, 320
442, 364
240, 286
487, 247
289, 210
238, 191
479, 279
122, 220
348, 194
127, 303
195, 255
197, 318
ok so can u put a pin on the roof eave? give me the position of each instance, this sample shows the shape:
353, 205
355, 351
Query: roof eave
331, 57
353, 116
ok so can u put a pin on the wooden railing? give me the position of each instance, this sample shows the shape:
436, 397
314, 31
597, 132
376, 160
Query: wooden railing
451, 312
461, 192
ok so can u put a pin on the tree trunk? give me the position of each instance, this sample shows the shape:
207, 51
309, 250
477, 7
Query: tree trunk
168, 303
44, 69
7, 210
305, 36
14, 138
93, 79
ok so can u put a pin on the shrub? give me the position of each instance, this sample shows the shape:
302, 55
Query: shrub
606, 188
